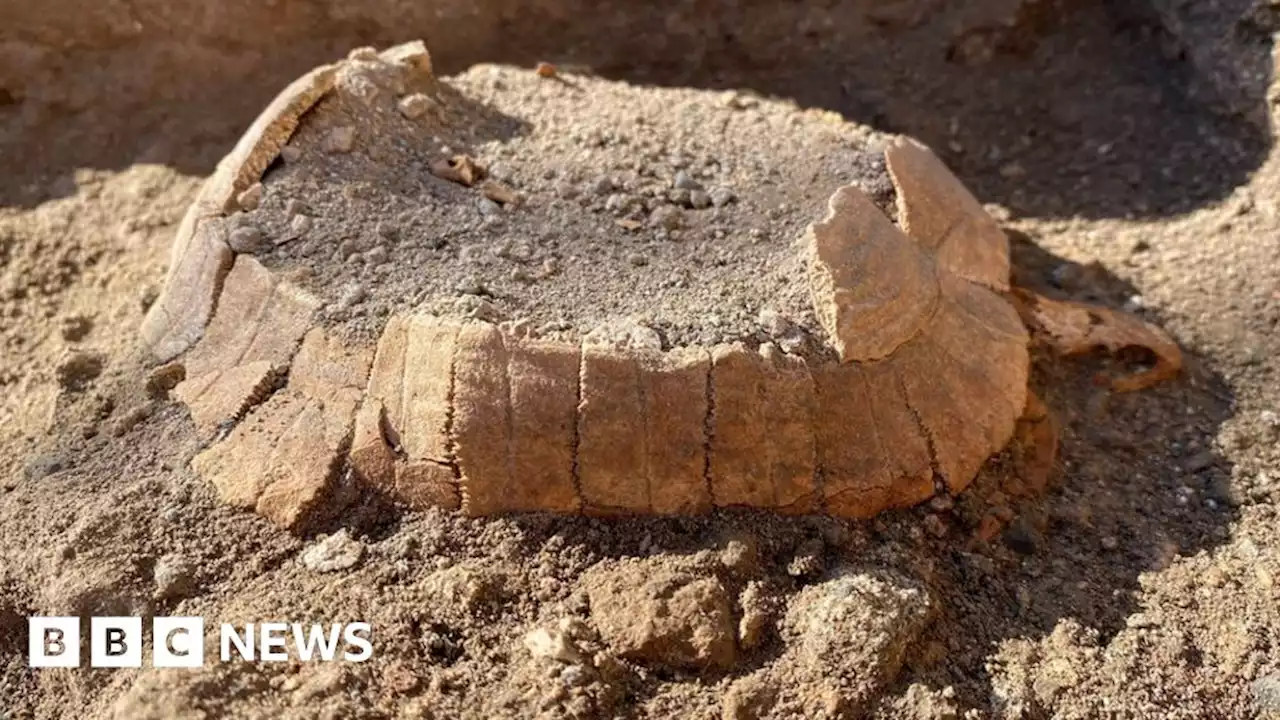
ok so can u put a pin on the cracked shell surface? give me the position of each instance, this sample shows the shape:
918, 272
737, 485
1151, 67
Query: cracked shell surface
421, 366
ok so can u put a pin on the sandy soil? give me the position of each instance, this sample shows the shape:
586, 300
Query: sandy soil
1143, 585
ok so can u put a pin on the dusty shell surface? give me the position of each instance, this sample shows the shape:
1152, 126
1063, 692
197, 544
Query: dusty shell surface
421, 366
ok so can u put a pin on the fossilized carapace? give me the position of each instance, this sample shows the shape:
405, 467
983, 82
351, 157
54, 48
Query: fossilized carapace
920, 378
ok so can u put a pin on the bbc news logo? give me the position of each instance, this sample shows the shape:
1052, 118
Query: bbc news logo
117, 642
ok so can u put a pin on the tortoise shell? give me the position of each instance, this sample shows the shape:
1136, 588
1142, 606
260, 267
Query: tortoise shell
916, 374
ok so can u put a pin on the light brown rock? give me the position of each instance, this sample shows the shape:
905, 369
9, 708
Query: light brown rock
659, 616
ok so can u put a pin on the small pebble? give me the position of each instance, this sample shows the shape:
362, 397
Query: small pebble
388, 231
666, 216
545, 69
300, 225
935, 526
376, 255
618, 203
290, 154
721, 196
1200, 461
809, 560
251, 198
685, 181
1109, 542
551, 645
247, 239
336, 552
474, 306
1266, 696
174, 577
131, 419
470, 285
340, 139
773, 322
488, 208
76, 327
352, 294
1012, 170
603, 186
699, 200
44, 465
165, 378
638, 259
1021, 537
415, 106
549, 267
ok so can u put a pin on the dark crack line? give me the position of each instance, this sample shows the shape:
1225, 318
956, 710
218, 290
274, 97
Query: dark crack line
642, 399
574, 471
450, 437
708, 431
939, 480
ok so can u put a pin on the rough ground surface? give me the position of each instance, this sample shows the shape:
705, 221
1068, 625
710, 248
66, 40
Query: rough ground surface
1144, 585
655, 205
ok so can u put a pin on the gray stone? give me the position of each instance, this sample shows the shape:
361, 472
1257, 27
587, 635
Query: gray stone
174, 577
667, 217
721, 196
1266, 696
337, 552
247, 239
685, 181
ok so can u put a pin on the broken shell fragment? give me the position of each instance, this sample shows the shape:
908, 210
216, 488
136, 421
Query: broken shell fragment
461, 169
